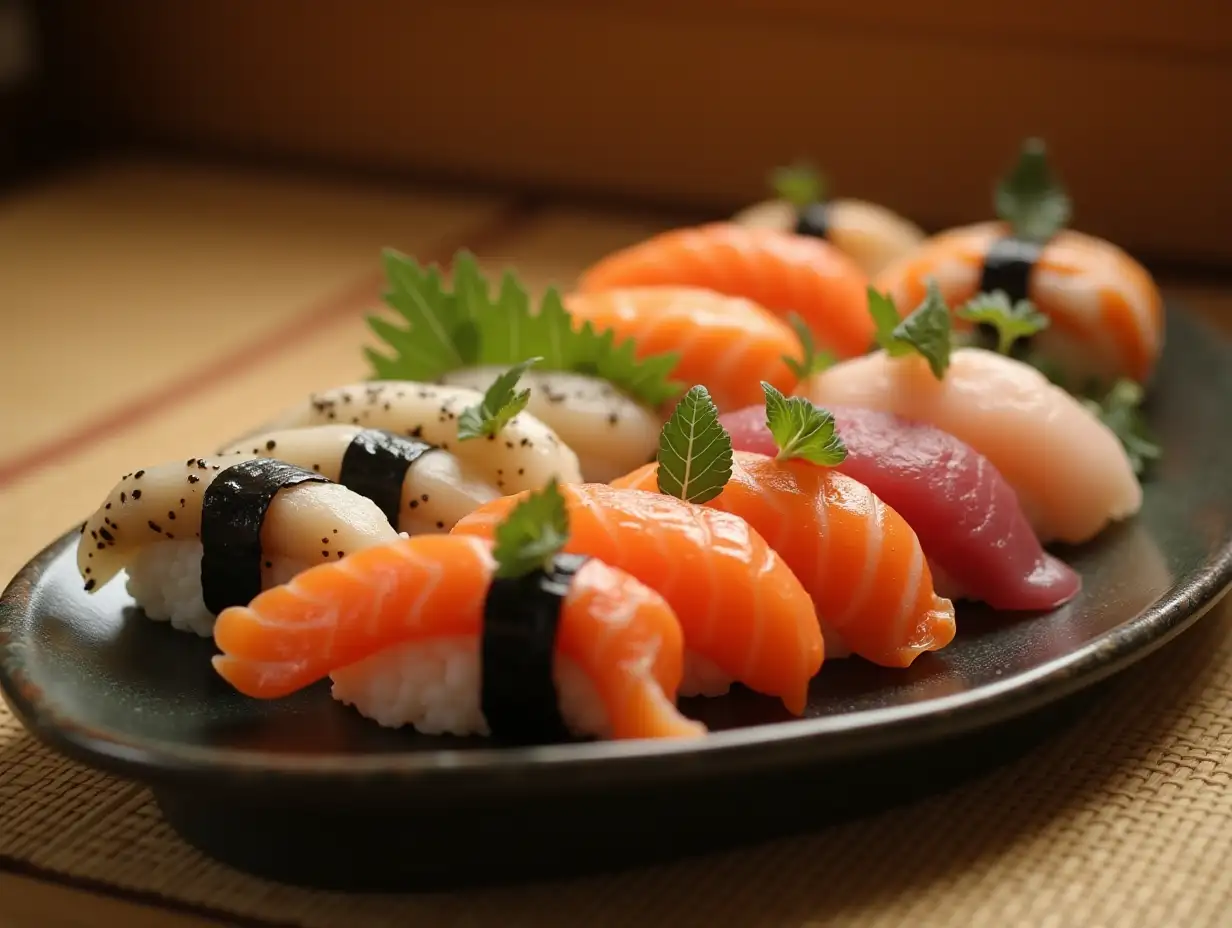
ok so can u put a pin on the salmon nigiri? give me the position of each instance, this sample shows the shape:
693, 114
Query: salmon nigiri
745, 616
1105, 312
783, 272
454, 636
977, 539
729, 344
858, 558
1069, 470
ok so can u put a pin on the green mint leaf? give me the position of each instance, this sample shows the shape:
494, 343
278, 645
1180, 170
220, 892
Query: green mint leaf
1012, 322
499, 404
800, 184
534, 532
926, 331
1120, 410
1030, 197
695, 451
814, 361
802, 430
447, 329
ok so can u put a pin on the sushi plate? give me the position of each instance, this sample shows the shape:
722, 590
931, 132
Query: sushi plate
303, 790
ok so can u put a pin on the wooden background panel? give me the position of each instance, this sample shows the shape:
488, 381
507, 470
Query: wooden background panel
671, 105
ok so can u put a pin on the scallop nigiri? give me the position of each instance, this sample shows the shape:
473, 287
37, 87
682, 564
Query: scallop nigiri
524, 455
592, 391
200, 535
730, 344
451, 636
1105, 311
870, 234
859, 559
1069, 471
782, 272
419, 487
745, 616
978, 542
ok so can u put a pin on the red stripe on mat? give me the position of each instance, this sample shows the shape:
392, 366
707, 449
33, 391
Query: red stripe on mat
352, 299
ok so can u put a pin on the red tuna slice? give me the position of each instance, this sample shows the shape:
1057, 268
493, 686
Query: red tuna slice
978, 541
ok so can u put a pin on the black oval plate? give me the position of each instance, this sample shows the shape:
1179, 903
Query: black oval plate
306, 790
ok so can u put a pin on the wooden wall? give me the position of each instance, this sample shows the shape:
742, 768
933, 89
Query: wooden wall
689, 102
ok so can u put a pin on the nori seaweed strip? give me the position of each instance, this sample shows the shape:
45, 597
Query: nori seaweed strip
520, 616
375, 465
814, 220
1008, 266
232, 513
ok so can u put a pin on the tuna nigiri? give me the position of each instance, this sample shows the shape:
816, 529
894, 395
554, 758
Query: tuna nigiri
744, 615
859, 560
419, 487
447, 634
525, 455
785, 273
870, 234
978, 541
1105, 311
1069, 471
591, 390
729, 344
199, 535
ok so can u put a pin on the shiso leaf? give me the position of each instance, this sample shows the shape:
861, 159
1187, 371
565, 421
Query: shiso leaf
1031, 198
800, 184
695, 451
533, 533
499, 404
802, 430
1012, 321
446, 328
925, 331
1120, 410
813, 361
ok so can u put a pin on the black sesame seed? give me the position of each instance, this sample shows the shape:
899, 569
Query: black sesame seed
88, 569
335, 531
440, 524
269, 564
101, 546
416, 432
169, 535
90, 584
108, 506
94, 534
414, 504
170, 515
612, 418
521, 471
508, 444
139, 475
525, 443
317, 468
136, 494
154, 526
181, 504
324, 541
123, 497
193, 478
341, 554
106, 535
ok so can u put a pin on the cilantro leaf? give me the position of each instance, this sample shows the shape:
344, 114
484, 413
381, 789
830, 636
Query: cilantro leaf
1120, 410
814, 361
1012, 322
802, 430
499, 404
534, 532
926, 330
447, 329
695, 451
1030, 197
800, 184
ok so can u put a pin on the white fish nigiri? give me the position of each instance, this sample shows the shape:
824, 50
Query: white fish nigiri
871, 235
199, 535
421, 489
610, 433
526, 455
1069, 470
